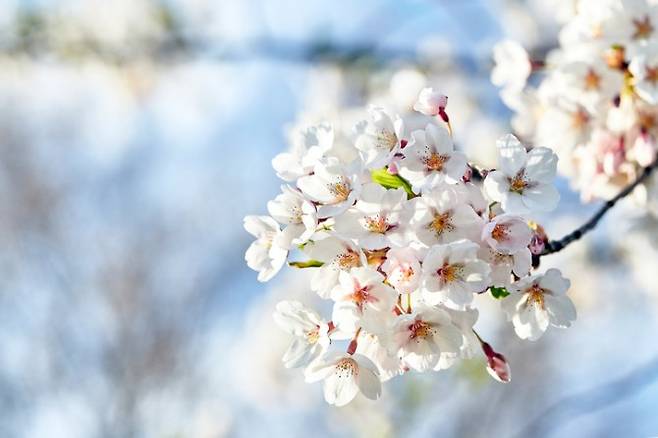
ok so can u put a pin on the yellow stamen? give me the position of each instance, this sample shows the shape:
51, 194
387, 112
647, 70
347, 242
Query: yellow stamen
435, 162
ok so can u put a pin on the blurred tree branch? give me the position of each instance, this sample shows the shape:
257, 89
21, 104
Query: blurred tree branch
568, 408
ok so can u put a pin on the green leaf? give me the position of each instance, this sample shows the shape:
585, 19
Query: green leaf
499, 292
306, 264
385, 179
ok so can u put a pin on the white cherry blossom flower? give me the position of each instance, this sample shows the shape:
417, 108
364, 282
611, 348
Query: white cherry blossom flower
308, 146
380, 140
452, 273
344, 377
538, 301
402, 269
378, 219
362, 300
376, 348
422, 336
337, 255
309, 330
333, 185
300, 216
507, 233
524, 181
440, 216
430, 157
503, 265
264, 254
430, 102
512, 65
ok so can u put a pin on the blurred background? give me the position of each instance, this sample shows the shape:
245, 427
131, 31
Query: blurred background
134, 137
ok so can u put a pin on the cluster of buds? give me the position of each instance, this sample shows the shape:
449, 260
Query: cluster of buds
401, 255
598, 94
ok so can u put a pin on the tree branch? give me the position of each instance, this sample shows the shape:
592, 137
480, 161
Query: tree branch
558, 245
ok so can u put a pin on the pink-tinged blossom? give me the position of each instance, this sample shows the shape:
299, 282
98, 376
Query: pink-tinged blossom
430, 102
538, 301
507, 233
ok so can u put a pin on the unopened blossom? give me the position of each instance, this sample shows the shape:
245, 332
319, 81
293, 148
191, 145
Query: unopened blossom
423, 335
402, 269
538, 301
344, 377
452, 273
333, 185
362, 300
380, 139
497, 365
310, 333
645, 149
264, 254
379, 218
295, 211
524, 180
507, 233
337, 255
308, 146
430, 158
430, 102
440, 216
512, 65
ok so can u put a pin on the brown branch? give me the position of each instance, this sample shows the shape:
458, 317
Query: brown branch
558, 245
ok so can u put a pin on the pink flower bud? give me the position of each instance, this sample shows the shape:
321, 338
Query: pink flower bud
393, 168
351, 349
431, 103
537, 244
645, 149
497, 365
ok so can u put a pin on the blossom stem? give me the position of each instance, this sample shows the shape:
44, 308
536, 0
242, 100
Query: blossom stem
553, 246
408, 303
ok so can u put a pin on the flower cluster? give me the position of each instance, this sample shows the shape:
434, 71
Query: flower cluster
401, 239
597, 99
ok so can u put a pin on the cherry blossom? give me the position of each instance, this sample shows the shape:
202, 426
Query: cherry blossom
300, 215
430, 102
362, 300
309, 331
538, 301
523, 183
452, 273
378, 219
507, 233
422, 336
344, 377
333, 185
380, 140
264, 255
429, 157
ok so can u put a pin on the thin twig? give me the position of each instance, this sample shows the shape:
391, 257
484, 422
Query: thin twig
558, 245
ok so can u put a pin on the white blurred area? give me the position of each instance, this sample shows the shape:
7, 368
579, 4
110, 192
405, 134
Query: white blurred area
135, 135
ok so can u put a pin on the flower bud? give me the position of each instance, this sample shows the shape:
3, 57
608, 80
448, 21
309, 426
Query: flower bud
497, 365
644, 149
431, 103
